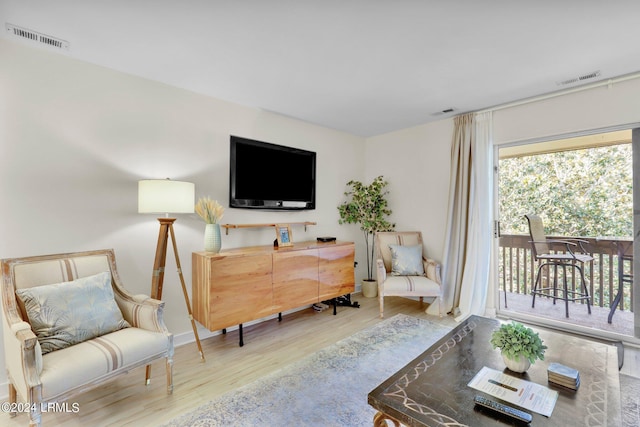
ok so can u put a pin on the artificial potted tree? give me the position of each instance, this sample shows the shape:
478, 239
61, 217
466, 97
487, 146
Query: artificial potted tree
520, 346
367, 205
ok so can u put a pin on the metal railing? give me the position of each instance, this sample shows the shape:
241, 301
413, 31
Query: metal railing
612, 261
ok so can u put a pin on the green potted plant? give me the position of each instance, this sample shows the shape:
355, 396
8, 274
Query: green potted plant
520, 346
367, 205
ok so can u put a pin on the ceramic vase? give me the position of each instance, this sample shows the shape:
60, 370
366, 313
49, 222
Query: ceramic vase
520, 365
212, 239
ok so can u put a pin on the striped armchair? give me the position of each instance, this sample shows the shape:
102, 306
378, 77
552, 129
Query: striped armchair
53, 362
403, 270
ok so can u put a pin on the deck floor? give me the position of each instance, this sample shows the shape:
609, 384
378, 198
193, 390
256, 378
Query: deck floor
621, 323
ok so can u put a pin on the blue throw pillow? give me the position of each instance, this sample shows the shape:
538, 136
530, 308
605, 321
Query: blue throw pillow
406, 260
64, 314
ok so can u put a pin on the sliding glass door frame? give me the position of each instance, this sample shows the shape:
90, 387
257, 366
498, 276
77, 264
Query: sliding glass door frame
495, 276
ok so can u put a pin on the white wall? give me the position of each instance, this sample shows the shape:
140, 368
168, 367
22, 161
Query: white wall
416, 163
75, 138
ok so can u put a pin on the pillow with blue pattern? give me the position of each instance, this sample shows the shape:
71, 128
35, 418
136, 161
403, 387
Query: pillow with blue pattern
406, 260
67, 313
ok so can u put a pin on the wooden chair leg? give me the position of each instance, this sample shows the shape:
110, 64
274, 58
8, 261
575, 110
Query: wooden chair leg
381, 299
13, 397
35, 416
169, 375
147, 375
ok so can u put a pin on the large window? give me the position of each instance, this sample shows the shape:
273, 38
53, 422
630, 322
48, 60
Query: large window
583, 192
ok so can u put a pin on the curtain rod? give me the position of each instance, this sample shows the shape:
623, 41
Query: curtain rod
608, 82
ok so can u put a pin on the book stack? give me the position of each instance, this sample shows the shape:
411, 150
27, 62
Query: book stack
564, 376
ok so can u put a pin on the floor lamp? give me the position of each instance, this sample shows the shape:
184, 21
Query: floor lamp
166, 196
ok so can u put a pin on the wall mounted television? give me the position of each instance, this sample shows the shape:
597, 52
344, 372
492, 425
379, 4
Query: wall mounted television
270, 176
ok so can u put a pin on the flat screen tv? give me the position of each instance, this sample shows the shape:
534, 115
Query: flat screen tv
271, 176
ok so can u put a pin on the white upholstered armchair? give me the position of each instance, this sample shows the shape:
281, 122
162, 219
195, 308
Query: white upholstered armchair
69, 325
403, 270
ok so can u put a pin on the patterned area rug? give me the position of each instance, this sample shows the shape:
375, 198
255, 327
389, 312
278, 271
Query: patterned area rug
327, 388
630, 400
330, 387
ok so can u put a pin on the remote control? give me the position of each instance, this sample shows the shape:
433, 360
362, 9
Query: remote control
503, 409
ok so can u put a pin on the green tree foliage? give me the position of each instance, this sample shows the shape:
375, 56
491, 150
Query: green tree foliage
585, 193
367, 205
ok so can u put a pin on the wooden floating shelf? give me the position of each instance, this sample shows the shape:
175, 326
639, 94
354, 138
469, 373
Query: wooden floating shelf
228, 226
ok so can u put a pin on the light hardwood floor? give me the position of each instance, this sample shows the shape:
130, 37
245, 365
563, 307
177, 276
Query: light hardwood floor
268, 346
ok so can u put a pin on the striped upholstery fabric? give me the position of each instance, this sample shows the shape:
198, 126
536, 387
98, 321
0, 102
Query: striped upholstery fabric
41, 273
403, 285
74, 366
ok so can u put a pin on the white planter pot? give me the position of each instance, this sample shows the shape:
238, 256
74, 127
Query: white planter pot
519, 365
369, 288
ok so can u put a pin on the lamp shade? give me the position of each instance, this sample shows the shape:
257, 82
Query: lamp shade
165, 196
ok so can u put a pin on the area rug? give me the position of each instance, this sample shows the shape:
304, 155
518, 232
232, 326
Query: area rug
327, 388
630, 400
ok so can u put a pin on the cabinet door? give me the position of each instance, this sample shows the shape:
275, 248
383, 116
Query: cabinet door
295, 279
240, 290
336, 271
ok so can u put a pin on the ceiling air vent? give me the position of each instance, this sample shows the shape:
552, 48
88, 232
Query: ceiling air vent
579, 79
37, 37
445, 111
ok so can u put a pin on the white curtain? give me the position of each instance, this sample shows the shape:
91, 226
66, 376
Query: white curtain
468, 239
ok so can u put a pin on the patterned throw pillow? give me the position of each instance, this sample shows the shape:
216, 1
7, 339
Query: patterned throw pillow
406, 260
68, 313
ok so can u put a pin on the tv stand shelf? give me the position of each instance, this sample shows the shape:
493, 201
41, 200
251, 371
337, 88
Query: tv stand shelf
228, 226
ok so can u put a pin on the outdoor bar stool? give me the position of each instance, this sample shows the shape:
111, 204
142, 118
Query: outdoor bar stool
624, 250
541, 248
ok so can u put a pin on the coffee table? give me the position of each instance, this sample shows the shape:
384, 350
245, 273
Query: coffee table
432, 389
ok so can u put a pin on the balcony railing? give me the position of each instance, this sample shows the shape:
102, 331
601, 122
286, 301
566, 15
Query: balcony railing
612, 260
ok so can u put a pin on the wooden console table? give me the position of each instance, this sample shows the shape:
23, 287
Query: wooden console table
238, 285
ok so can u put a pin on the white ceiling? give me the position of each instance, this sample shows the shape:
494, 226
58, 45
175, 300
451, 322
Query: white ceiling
366, 67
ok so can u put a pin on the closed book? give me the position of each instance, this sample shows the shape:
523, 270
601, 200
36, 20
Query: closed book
561, 380
562, 371
571, 385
